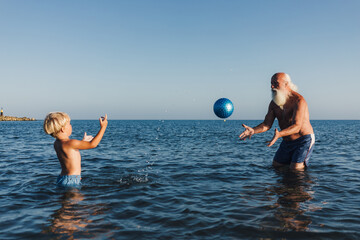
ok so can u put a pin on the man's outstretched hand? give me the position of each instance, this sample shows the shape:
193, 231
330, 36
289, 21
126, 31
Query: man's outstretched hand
274, 139
247, 133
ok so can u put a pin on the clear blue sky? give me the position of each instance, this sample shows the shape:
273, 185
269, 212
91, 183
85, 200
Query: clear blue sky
162, 59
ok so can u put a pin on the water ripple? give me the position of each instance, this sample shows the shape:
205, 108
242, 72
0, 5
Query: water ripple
179, 180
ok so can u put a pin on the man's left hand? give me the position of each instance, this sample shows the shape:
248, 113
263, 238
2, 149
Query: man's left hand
274, 139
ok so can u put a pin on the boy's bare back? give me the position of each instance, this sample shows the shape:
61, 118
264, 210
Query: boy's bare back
69, 158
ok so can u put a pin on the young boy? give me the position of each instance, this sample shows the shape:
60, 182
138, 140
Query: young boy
57, 124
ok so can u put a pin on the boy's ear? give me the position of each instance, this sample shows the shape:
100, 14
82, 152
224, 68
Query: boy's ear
62, 129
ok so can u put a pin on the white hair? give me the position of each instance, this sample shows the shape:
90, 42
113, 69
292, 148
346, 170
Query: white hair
291, 84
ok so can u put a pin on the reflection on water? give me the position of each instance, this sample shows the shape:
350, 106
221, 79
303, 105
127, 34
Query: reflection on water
293, 190
73, 217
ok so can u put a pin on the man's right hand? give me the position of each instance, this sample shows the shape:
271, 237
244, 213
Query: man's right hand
247, 133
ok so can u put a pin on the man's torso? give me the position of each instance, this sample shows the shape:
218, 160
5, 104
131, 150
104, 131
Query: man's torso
286, 117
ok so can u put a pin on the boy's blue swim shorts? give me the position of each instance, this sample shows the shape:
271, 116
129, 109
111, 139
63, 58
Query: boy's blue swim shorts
296, 151
69, 180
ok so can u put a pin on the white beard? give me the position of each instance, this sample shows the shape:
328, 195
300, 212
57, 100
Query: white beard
279, 97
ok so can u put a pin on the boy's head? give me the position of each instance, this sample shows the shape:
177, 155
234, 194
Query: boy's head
54, 121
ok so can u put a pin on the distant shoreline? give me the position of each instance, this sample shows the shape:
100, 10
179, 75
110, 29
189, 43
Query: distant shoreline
9, 118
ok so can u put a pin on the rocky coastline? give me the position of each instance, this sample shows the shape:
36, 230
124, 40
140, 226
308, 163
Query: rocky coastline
8, 118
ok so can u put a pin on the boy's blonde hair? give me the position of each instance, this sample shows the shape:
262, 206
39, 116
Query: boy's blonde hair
54, 121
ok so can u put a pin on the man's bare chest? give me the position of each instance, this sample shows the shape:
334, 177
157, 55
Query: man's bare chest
285, 115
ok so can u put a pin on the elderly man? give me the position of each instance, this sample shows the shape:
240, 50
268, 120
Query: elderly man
291, 110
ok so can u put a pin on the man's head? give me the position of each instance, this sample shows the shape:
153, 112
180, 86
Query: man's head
54, 122
281, 87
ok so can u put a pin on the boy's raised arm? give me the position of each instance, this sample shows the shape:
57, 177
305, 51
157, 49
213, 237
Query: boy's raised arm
82, 145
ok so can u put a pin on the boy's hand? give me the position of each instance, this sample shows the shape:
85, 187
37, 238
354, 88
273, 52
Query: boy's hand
87, 138
103, 121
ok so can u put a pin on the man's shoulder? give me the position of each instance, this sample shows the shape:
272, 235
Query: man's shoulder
296, 93
298, 100
298, 97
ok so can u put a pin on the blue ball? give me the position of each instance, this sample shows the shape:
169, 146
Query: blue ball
223, 108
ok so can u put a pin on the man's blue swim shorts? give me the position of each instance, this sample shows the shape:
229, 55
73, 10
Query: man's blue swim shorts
296, 151
69, 181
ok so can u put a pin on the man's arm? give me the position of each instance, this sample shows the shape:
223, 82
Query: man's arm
262, 127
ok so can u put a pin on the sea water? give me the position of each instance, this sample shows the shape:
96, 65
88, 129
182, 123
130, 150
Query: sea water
179, 180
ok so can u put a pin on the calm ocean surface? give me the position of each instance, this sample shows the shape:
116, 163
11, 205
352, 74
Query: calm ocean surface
179, 180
